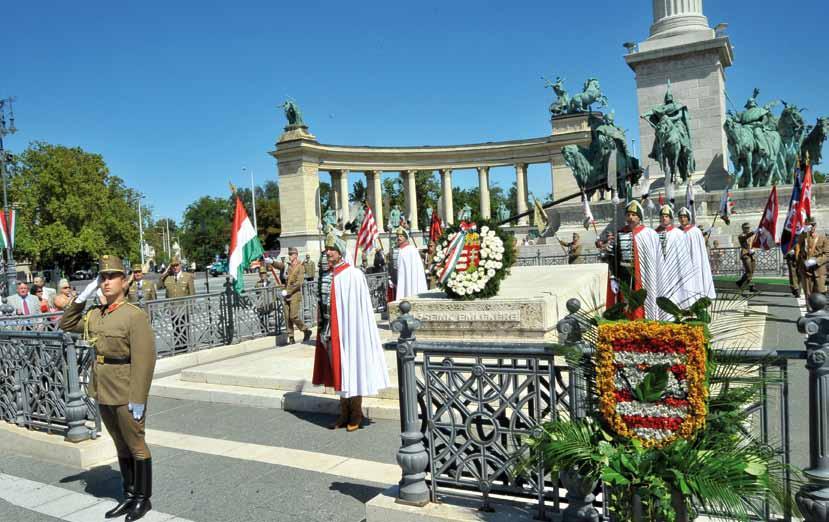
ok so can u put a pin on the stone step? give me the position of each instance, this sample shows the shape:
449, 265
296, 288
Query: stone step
173, 387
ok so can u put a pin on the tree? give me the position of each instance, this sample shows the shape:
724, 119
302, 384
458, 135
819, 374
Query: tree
207, 224
358, 192
70, 208
268, 217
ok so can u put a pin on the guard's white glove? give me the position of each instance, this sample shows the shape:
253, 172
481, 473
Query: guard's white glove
269, 261
614, 286
89, 290
284, 293
137, 410
811, 262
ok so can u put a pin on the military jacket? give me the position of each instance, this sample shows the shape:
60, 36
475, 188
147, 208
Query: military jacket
184, 286
745, 244
120, 331
148, 289
310, 269
816, 247
296, 276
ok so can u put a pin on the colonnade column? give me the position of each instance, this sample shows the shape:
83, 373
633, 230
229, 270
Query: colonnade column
446, 193
334, 198
521, 192
341, 180
375, 196
410, 195
483, 189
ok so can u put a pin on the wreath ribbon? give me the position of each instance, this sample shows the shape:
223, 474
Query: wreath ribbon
454, 250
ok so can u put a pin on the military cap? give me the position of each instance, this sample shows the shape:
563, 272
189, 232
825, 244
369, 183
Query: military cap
666, 210
333, 242
137, 268
746, 226
811, 221
401, 231
293, 250
111, 264
635, 208
175, 261
685, 212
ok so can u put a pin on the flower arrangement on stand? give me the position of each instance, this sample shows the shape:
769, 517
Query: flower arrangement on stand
471, 259
666, 425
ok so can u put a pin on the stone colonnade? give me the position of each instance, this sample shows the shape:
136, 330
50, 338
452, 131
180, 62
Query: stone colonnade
374, 195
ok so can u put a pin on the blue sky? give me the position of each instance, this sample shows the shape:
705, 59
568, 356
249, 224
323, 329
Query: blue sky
179, 96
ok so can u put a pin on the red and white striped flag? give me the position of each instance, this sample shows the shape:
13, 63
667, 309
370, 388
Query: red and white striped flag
367, 234
7, 229
767, 231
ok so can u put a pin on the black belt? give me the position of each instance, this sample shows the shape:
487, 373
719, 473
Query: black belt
100, 359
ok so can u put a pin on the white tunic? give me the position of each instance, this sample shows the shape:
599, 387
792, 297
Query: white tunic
675, 276
700, 281
649, 260
411, 276
363, 367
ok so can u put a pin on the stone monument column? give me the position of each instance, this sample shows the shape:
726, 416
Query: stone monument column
298, 168
410, 196
684, 50
483, 189
342, 194
375, 196
521, 192
446, 192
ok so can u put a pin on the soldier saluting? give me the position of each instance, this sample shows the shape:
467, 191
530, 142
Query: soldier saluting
121, 377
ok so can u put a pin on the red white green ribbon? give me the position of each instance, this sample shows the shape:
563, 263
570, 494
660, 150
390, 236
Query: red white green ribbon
454, 250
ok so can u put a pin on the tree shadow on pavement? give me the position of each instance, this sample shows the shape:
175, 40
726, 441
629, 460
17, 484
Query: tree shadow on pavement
100, 482
361, 492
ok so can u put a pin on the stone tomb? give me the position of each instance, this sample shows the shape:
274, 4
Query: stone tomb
529, 304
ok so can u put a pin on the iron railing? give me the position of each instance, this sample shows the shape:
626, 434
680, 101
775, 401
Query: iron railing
43, 383
468, 407
724, 261
378, 284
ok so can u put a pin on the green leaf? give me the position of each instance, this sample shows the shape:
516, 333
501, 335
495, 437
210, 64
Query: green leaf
756, 468
702, 304
668, 306
653, 385
611, 476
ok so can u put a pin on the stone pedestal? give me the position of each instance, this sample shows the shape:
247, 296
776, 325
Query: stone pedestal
683, 50
531, 301
563, 181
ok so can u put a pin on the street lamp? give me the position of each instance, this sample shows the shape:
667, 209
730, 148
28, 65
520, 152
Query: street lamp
11, 269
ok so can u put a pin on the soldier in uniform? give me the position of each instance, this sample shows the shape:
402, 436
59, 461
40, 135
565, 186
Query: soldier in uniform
811, 254
121, 377
140, 290
747, 257
310, 268
573, 249
178, 284
293, 296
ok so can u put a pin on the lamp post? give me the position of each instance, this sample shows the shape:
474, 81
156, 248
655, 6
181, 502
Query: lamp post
11, 269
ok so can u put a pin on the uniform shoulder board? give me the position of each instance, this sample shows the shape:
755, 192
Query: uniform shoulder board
136, 307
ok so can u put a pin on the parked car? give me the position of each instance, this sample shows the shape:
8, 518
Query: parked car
82, 274
218, 268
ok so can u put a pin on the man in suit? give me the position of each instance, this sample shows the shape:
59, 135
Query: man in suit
24, 303
140, 291
122, 372
178, 283
811, 254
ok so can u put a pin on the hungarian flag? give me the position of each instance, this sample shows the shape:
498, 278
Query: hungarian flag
435, 229
367, 234
244, 246
7, 228
804, 204
787, 237
767, 230
726, 207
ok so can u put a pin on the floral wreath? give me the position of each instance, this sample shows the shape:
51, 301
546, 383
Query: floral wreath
471, 259
651, 380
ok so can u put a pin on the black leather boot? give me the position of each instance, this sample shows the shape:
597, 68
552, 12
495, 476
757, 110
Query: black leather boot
143, 490
127, 465
306, 336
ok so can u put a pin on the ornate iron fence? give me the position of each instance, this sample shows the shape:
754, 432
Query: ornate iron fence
378, 284
43, 383
724, 261
37, 323
466, 409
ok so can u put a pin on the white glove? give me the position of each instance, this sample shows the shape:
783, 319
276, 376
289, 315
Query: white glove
269, 261
89, 290
614, 285
811, 262
137, 410
284, 293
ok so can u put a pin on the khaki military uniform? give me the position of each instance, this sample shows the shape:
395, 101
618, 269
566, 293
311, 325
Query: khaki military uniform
148, 287
746, 258
123, 368
573, 251
182, 286
310, 270
812, 279
296, 276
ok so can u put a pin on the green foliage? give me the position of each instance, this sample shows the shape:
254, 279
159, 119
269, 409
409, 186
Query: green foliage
71, 209
653, 385
208, 222
268, 217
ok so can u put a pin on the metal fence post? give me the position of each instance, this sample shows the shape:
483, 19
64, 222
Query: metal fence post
75, 406
813, 497
580, 495
411, 456
229, 302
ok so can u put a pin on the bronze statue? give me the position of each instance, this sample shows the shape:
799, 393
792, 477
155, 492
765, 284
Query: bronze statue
813, 143
562, 103
755, 145
293, 114
591, 93
672, 147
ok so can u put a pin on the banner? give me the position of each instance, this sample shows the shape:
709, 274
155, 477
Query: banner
767, 230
